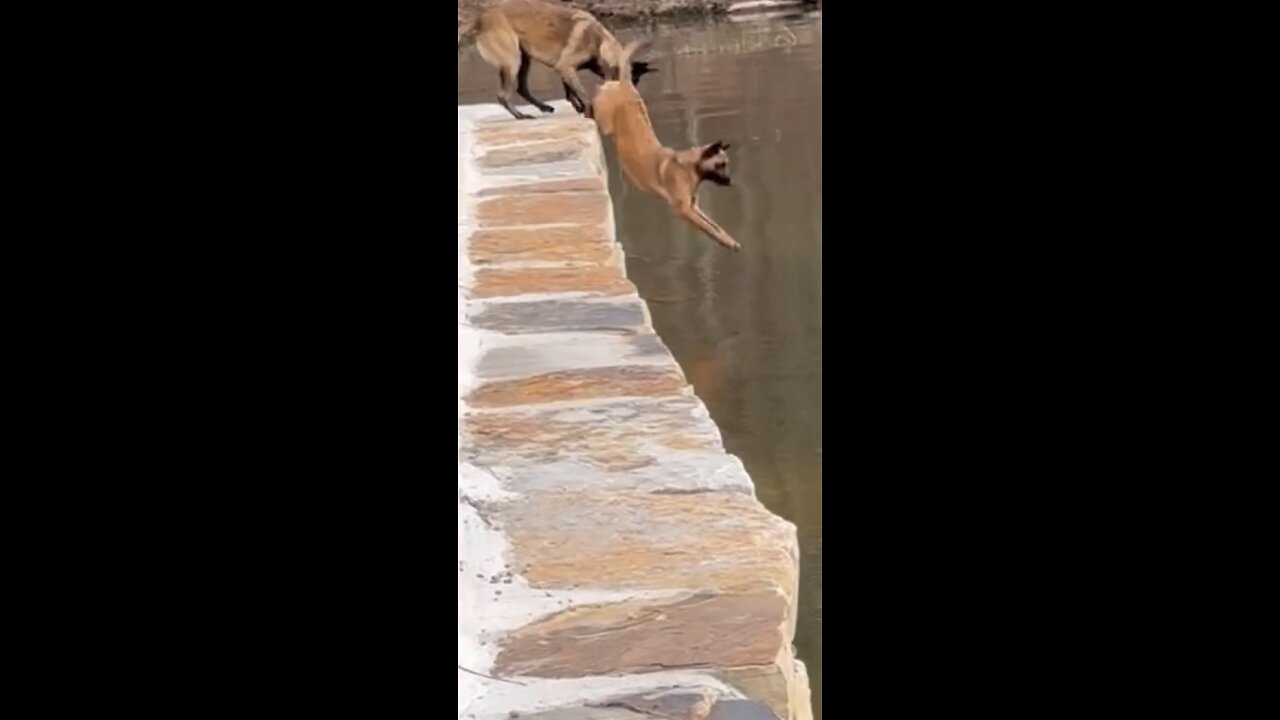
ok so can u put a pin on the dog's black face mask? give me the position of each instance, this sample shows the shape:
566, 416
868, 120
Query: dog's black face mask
639, 68
714, 164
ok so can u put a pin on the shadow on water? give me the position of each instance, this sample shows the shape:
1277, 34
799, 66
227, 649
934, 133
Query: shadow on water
745, 327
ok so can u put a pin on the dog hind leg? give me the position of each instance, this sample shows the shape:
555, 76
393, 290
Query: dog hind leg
507, 78
569, 73
499, 46
573, 99
522, 86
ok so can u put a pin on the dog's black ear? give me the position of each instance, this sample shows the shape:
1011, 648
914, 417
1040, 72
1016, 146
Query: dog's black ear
714, 148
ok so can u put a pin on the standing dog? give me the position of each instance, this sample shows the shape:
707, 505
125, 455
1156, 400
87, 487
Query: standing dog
673, 175
510, 35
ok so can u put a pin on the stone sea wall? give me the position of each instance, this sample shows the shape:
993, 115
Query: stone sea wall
613, 560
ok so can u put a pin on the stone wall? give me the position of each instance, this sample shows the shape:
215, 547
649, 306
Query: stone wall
613, 560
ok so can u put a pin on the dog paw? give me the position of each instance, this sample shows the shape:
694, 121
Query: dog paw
546, 109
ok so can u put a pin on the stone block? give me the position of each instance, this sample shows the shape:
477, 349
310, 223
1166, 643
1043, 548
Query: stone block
575, 244
534, 153
703, 543
603, 280
589, 384
542, 316
667, 445
573, 184
525, 355
586, 208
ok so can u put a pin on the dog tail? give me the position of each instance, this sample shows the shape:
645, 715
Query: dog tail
624, 62
496, 40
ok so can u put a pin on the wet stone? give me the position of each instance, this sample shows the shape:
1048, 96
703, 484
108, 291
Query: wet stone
579, 166
678, 703
561, 316
577, 244
589, 384
741, 710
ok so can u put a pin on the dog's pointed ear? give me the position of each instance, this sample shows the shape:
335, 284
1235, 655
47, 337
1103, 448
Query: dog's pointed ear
714, 148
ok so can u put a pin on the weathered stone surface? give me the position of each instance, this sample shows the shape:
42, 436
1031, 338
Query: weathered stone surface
703, 631
683, 703
578, 184
652, 541
584, 712
589, 384
542, 316
580, 166
534, 153
654, 445
497, 134
588, 208
576, 244
525, 355
772, 684
741, 710
605, 280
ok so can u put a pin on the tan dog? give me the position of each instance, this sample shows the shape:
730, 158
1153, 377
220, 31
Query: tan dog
509, 35
673, 175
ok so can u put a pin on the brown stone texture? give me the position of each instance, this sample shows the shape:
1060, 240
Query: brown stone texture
594, 279
588, 208
588, 384
703, 631
653, 541
573, 184
534, 153
576, 244
549, 129
613, 437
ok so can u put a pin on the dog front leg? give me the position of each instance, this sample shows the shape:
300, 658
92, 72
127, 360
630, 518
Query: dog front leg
569, 74
694, 216
574, 100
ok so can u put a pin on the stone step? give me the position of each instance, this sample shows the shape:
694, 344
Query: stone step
667, 445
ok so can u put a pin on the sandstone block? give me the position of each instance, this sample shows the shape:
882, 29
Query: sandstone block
525, 355
665, 445
593, 183
587, 208
604, 280
712, 542
542, 316
576, 244
590, 384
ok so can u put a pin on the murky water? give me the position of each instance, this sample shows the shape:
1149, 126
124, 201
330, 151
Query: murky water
746, 327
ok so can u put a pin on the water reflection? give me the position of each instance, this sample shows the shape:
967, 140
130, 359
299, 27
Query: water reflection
746, 327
